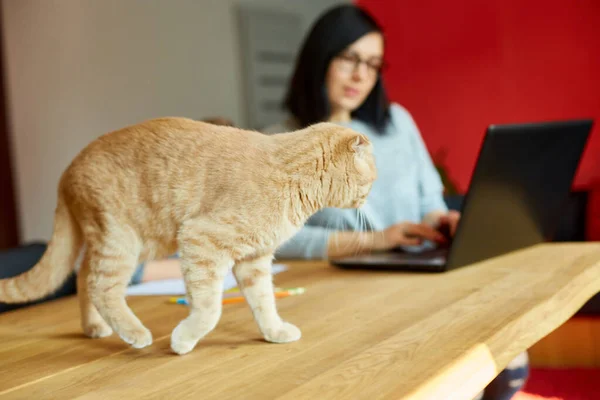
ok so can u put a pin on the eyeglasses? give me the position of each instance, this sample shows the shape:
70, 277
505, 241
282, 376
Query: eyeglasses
349, 62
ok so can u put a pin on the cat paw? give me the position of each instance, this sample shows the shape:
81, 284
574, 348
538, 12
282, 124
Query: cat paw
284, 333
97, 330
138, 338
182, 339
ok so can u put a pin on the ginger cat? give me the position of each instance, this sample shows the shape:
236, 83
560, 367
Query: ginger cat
222, 196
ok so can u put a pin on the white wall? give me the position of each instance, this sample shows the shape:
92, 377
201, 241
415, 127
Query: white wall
79, 68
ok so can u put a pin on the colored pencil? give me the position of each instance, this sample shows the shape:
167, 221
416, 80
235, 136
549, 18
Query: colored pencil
232, 299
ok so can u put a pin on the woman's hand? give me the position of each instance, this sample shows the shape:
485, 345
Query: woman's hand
342, 244
450, 221
407, 234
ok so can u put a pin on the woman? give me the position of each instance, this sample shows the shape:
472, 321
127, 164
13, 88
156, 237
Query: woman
338, 79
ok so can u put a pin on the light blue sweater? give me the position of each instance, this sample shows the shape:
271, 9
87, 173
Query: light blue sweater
407, 188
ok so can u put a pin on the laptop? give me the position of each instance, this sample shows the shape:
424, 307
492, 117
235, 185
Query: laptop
522, 178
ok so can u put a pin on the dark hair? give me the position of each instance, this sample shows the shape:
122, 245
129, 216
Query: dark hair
333, 32
222, 121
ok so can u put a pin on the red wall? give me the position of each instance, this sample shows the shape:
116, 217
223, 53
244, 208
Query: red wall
459, 66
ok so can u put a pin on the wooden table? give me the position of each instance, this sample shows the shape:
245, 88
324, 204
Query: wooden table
366, 335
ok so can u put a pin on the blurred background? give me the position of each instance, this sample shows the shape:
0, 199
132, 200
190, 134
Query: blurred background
75, 69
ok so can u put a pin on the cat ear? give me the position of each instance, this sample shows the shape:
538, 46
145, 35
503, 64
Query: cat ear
359, 143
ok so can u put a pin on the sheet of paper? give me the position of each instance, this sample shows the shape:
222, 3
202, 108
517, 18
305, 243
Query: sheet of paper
176, 287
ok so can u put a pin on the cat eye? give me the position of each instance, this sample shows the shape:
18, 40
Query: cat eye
350, 61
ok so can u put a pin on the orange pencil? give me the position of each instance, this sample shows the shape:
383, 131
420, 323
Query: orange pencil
240, 299
286, 293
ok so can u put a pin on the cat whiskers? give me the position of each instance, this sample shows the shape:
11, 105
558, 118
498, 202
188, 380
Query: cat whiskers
335, 226
362, 228
358, 231
339, 224
367, 226
354, 236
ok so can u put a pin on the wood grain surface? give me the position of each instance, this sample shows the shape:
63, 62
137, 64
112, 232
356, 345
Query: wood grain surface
366, 335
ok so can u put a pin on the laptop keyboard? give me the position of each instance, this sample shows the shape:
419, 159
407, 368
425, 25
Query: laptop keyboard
426, 254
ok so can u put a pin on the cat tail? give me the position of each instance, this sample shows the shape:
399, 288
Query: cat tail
54, 267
